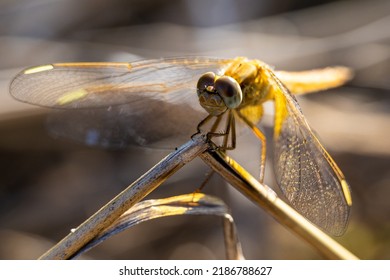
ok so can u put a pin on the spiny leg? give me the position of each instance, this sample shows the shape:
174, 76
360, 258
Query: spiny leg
216, 124
230, 131
212, 132
233, 134
202, 123
209, 174
213, 127
227, 131
259, 134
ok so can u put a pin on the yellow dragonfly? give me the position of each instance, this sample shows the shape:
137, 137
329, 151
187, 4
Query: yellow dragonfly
159, 98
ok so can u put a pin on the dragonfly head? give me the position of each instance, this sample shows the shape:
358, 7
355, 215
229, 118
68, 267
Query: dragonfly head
217, 94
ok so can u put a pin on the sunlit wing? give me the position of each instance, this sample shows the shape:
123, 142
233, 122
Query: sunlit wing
155, 100
157, 124
302, 82
305, 172
87, 85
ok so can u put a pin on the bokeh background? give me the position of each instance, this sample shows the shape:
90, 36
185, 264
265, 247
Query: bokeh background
48, 186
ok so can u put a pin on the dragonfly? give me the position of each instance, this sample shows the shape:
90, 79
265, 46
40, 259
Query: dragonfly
158, 98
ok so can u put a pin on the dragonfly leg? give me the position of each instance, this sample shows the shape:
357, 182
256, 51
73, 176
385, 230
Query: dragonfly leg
202, 123
230, 126
229, 131
216, 124
209, 174
259, 134
213, 128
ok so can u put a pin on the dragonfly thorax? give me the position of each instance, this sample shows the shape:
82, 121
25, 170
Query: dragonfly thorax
218, 94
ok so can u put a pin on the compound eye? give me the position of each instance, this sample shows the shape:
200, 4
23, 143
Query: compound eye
229, 90
205, 81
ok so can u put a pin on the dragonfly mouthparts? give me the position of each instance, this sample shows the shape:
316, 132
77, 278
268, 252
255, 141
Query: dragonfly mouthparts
212, 103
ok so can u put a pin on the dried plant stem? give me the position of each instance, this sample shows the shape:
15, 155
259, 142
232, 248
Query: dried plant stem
186, 204
104, 217
265, 197
231, 171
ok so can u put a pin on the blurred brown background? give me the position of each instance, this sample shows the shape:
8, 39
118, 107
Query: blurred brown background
48, 186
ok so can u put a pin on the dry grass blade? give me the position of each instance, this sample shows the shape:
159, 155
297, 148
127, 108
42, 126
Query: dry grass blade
104, 217
266, 198
229, 170
187, 204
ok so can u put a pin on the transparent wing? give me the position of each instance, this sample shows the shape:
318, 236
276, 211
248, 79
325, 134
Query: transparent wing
86, 85
305, 172
150, 102
157, 124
